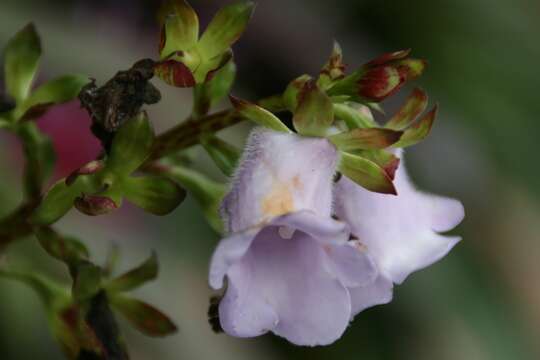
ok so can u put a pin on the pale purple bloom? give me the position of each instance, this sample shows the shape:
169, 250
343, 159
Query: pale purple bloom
289, 265
401, 233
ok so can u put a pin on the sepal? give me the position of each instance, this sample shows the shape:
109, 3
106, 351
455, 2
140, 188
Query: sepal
366, 173
315, 112
258, 115
415, 104
334, 69
354, 115
365, 139
419, 130
385, 159
292, 93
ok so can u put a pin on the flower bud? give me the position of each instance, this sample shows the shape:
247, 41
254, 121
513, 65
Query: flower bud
94, 205
380, 78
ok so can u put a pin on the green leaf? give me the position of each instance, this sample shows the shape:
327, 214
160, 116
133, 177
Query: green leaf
40, 158
334, 69
157, 195
418, 131
354, 115
225, 155
207, 193
415, 104
68, 250
21, 59
131, 145
87, 282
258, 115
315, 112
144, 317
211, 92
225, 28
365, 139
56, 202
291, 94
180, 27
136, 277
366, 173
56, 91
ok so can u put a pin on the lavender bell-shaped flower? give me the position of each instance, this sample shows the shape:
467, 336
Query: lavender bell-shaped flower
401, 233
289, 265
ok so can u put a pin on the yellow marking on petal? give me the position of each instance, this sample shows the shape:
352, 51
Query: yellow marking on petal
278, 202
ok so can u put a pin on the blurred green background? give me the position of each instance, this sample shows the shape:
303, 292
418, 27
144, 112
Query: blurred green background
480, 302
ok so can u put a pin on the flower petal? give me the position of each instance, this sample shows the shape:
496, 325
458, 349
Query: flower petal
229, 251
376, 293
278, 174
323, 229
399, 231
351, 264
286, 275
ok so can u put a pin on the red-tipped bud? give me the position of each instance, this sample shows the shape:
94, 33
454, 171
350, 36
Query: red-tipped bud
94, 205
175, 73
380, 82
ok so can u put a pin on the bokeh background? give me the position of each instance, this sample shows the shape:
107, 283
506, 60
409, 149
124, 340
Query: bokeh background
480, 302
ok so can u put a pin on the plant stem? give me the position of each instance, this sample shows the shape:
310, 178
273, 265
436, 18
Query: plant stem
189, 133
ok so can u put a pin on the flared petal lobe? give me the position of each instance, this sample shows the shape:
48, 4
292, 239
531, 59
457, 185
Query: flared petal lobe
400, 232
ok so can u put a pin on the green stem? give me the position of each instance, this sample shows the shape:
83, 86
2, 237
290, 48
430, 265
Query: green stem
190, 132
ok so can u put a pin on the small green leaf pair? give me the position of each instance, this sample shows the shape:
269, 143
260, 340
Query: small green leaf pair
21, 60
186, 59
99, 187
89, 280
